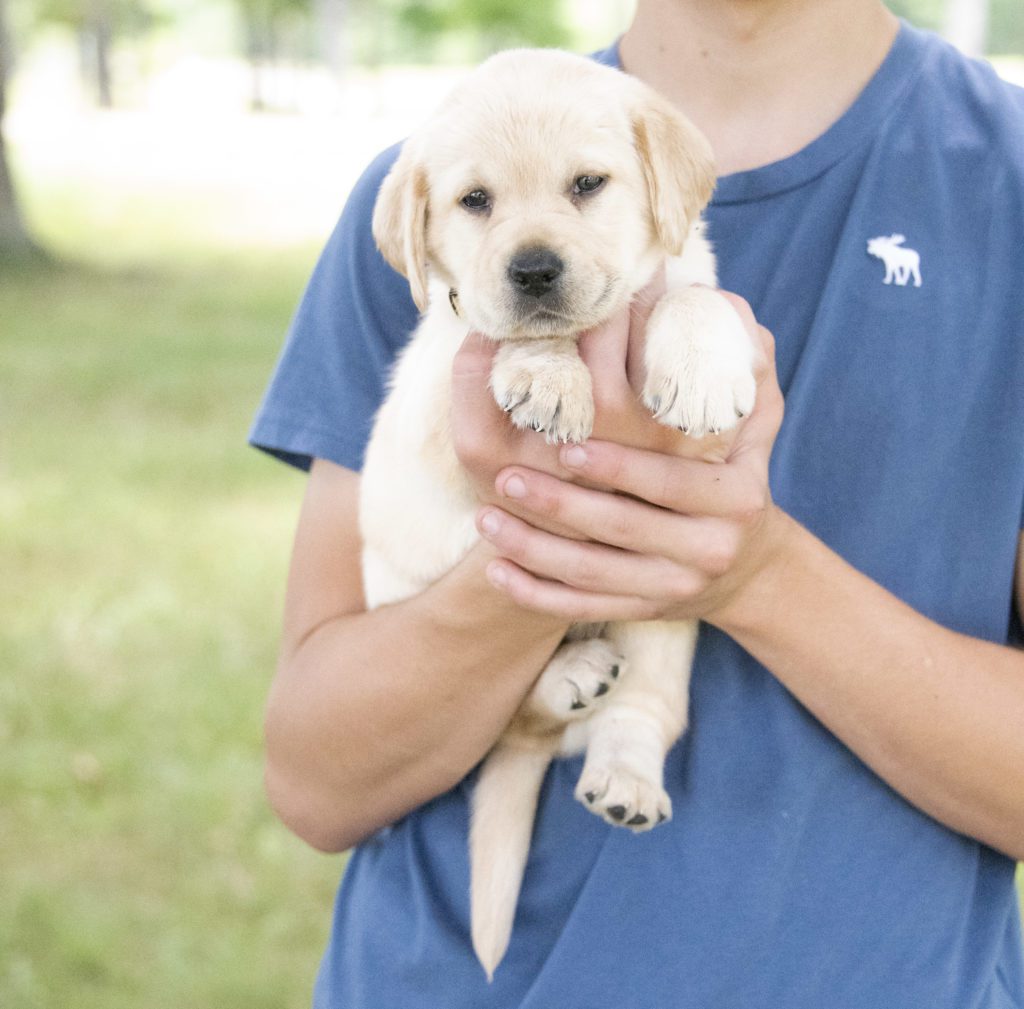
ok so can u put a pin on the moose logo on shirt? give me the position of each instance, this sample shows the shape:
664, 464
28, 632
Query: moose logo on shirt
901, 264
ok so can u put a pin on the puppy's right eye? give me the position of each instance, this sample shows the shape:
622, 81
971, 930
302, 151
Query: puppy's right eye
476, 200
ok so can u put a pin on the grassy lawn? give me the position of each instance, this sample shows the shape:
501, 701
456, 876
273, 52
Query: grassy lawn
144, 550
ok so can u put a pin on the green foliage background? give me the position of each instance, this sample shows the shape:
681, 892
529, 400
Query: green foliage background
144, 550
1006, 21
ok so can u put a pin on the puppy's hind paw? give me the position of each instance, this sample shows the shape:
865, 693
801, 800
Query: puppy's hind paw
577, 680
623, 798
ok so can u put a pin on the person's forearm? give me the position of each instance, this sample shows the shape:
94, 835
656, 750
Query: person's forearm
936, 714
375, 713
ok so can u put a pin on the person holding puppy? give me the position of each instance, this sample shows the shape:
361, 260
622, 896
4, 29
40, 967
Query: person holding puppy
849, 798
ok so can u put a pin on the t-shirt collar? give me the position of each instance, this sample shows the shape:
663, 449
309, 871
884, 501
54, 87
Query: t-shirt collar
880, 97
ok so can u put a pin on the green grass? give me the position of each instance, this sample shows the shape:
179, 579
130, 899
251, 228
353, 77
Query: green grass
143, 551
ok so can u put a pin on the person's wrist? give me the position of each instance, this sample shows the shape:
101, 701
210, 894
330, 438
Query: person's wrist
467, 600
750, 600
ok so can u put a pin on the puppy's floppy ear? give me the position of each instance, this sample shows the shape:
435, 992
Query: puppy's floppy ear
400, 221
678, 166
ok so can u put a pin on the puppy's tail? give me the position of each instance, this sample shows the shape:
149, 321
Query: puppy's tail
504, 805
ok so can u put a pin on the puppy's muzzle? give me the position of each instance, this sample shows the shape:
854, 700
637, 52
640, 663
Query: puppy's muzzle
534, 273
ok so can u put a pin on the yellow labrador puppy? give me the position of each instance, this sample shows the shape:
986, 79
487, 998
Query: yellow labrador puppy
542, 195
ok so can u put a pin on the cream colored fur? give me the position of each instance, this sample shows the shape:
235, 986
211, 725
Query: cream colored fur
522, 129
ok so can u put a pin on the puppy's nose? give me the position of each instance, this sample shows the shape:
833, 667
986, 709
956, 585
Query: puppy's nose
534, 271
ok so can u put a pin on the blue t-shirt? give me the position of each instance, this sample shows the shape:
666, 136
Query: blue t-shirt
791, 876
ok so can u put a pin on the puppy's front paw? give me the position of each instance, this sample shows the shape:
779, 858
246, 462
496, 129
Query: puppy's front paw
623, 797
545, 388
699, 362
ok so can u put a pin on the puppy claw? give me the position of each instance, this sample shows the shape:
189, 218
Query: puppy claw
510, 403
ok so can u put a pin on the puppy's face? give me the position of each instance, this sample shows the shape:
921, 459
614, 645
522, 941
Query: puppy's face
545, 192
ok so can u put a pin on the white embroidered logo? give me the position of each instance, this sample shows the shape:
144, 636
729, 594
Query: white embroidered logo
900, 263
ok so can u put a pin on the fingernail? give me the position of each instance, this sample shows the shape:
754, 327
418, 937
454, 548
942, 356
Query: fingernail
496, 575
574, 456
514, 487
490, 523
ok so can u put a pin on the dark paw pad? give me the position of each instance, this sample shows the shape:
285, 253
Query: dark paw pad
617, 813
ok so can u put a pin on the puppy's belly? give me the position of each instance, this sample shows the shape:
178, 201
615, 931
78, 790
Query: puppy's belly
417, 509
405, 561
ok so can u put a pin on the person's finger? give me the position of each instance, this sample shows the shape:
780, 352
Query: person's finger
477, 420
640, 309
613, 352
603, 350
574, 605
593, 567
685, 486
752, 440
762, 339
622, 521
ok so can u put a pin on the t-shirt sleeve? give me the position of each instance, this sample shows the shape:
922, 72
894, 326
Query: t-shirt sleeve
354, 318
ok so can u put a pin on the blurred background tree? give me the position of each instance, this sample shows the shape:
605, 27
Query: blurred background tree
428, 31
489, 25
96, 24
993, 27
274, 30
14, 239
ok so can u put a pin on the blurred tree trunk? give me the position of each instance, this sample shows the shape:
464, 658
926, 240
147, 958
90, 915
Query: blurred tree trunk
94, 43
330, 32
966, 25
254, 51
261, 48
103, 32
14, 238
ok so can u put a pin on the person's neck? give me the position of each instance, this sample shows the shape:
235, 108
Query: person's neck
761, 78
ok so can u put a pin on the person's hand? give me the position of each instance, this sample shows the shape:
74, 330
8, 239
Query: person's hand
678, 535
485, 440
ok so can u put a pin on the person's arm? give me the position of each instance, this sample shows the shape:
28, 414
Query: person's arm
372, 713
937, 714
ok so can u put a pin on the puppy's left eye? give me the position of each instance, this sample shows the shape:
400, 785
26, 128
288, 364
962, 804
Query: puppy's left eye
587, 184
476, 200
